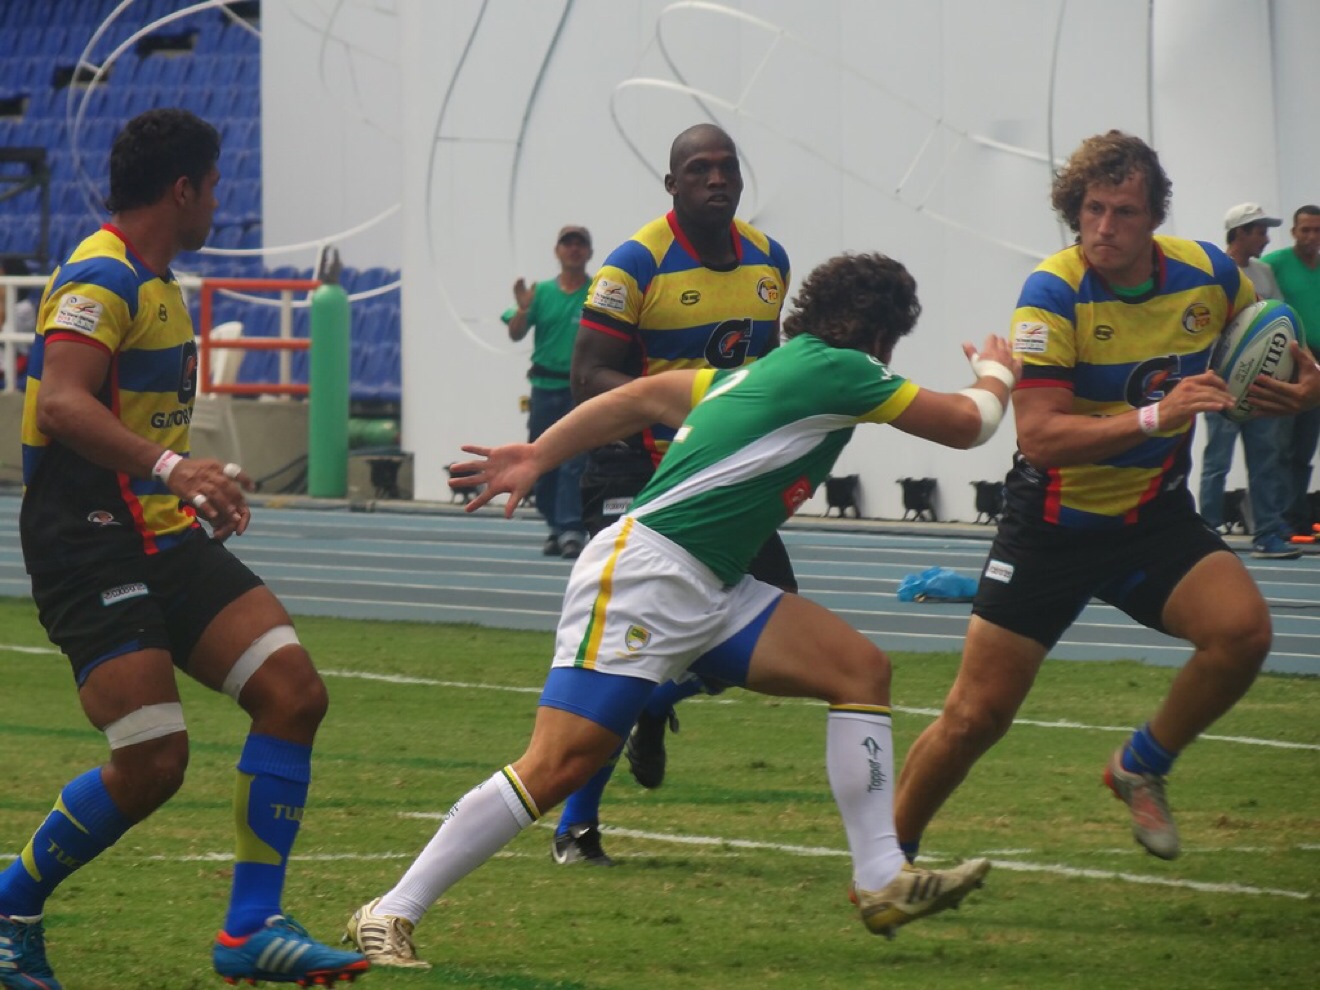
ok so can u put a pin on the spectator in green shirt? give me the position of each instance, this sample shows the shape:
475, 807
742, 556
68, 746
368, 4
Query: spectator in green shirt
1297, 270
552, 309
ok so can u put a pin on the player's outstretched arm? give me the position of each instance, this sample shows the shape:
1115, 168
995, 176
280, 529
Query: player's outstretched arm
613, 415
1275, 398
968, 418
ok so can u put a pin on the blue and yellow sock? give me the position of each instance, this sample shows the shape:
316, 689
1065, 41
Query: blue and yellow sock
1144, 754
583, 805
84, 823
273, 777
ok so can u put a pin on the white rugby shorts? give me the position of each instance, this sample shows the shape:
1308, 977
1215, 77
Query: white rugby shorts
639, 605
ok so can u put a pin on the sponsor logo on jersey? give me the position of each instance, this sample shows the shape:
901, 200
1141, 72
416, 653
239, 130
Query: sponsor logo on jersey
112, 596
690, 298
100, 517
163, 313
1103, 331
188, 372
1196, 318
636, 638
767, 290
997, 570
796, 494
164, 420
79, 314
610, 296
1031, 338
1152, 380
728, 344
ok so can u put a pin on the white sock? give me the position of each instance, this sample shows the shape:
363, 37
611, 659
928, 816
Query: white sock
480, 824
859, 755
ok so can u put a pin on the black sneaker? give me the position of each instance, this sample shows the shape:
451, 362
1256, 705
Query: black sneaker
551, 547
570, 549
580, 844
646, 748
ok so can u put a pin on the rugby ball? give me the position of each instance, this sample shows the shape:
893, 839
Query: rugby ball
1254, 343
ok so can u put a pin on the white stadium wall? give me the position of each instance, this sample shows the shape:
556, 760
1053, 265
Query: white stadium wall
921, 129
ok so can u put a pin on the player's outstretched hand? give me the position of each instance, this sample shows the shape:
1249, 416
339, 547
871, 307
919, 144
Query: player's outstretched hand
1275, 398
215, 490
995, 349
510, 469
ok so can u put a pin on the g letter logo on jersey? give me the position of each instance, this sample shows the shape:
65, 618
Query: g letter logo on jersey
79, 314
610, 296
188, 373
729, 343
1030, 338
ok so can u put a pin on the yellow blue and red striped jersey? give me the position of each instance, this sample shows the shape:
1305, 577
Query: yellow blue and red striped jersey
1114, 354
75, 511
654, 292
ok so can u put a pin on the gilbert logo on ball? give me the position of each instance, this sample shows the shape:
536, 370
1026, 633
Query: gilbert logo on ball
1255, 343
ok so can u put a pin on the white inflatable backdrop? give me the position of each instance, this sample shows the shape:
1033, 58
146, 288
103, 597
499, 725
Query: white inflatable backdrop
458, 136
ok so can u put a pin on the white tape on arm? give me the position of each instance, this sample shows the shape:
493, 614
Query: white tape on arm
992, 412
986, 368
255, 655
147, 723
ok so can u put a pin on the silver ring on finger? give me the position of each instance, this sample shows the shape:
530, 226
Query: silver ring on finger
199, 500
232, 470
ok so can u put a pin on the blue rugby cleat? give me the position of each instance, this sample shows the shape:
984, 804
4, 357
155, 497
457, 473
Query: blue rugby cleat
283, 952
23, 964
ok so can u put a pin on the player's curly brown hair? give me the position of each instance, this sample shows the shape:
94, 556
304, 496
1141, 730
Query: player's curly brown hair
861, 301
1109, 159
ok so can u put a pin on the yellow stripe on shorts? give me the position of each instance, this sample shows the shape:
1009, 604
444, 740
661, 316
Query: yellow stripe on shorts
590, 647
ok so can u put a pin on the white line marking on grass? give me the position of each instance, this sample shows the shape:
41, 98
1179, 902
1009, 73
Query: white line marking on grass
1011, 865
1141, 878
928, 712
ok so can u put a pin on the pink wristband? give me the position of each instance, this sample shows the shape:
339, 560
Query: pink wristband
1148, 418
164, 465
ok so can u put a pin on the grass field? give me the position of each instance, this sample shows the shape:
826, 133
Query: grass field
733, 874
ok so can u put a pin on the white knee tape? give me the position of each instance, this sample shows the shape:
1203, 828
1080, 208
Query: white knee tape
148, 722
255, 655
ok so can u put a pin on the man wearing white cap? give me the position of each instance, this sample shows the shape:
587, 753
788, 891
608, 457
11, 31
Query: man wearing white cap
1263, 439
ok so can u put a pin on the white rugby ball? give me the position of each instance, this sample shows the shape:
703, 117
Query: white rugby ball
1254, 343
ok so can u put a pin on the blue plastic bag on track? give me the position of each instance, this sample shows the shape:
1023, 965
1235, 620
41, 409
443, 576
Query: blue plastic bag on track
937, 584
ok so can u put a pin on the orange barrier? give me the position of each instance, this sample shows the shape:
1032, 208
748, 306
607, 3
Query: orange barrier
286, 287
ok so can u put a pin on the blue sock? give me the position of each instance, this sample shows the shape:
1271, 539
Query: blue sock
583, 805
273, 776
84, 823
667, 695
1143, 754
910, 849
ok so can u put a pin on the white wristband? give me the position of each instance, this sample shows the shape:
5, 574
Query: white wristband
986, 368
1148, 418
164, 465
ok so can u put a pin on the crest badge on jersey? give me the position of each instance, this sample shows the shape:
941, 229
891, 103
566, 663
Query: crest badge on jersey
796, 494
767, 290
610, 296
79, 314
1196, 318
